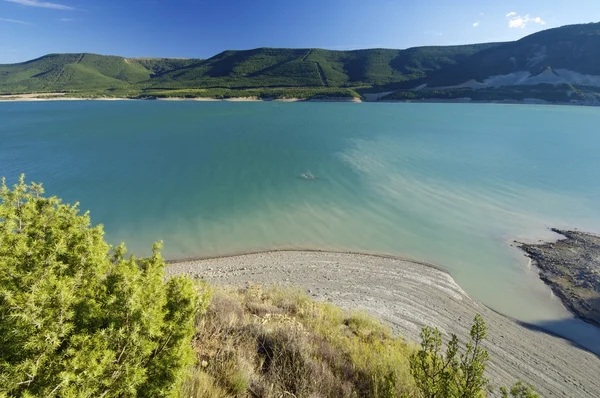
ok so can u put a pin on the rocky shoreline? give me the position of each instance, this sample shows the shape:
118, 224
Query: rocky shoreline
571, 267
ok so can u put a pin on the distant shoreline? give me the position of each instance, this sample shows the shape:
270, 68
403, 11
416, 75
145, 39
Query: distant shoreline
30, 98
62, 97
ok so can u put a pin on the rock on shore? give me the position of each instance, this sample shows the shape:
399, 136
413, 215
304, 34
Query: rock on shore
571, 267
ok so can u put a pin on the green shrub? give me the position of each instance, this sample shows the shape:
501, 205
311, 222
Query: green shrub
455, 375
519, 390
77, 320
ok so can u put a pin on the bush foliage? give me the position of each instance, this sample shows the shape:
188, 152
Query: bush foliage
455, 374
80, 320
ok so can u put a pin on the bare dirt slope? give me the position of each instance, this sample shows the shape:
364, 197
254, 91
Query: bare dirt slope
409, 295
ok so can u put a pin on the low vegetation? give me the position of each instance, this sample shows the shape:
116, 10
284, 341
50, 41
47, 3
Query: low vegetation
270, 342
78, 319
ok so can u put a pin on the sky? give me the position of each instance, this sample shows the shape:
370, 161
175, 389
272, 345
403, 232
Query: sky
203, 28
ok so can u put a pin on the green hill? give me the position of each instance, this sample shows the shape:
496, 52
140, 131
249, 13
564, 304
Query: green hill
382, 67
573, 47
556, 64
80, 72
273, 67
258, 68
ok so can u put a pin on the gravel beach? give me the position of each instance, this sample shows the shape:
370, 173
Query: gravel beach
408, 295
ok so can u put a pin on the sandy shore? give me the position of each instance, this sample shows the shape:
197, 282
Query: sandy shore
257, 99
368, 98
63, 97
53, 97
407, 296
34, 96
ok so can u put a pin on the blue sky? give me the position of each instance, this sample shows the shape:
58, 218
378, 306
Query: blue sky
202, 28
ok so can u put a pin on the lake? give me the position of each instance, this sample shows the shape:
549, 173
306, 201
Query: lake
449, 184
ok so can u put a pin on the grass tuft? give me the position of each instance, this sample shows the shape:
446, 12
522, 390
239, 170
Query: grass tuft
275, 342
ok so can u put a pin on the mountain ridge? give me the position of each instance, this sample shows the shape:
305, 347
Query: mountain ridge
564, 59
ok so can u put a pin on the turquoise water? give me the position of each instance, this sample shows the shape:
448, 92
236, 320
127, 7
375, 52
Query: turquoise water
451, 184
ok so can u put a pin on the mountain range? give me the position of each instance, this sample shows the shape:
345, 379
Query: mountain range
560, 64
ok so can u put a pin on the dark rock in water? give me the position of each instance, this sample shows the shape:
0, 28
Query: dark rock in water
571, 267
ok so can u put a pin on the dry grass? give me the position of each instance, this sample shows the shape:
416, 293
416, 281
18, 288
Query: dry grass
260, 342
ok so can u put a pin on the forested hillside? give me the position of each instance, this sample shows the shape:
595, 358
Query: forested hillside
575, 48
81, 72
560, 64
258, 68
272, 67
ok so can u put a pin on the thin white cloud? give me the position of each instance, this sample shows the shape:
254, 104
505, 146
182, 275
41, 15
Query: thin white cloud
41, 4
475, 24
14, 21
518, 21
539, 20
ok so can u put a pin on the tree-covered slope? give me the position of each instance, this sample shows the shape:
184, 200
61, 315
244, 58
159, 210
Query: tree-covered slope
65, 72
258, 68
262, 67
380, 67
575, 48
275, 67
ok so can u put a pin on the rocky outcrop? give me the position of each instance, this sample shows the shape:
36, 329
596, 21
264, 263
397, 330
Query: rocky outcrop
571, 267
